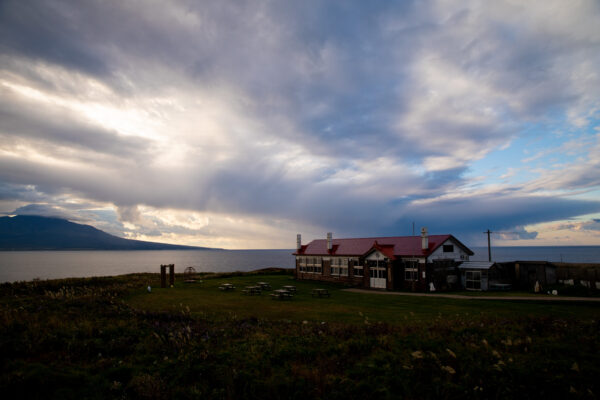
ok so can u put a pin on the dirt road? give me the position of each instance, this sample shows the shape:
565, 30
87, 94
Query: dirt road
462, 297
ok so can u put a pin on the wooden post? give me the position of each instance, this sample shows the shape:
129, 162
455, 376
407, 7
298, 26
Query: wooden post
326, 271
297, 268
163, 276
366, 275
171, 274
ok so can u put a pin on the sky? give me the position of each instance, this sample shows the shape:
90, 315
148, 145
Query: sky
238, 124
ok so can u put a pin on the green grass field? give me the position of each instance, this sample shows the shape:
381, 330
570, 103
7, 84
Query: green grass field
342, 306
109, 338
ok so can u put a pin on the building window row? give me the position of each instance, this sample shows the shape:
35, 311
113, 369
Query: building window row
341, 271
311, 265
339, 266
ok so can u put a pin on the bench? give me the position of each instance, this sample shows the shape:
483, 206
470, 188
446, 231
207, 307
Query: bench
320, 293
291, 289
281, 295
264, 285
251, 290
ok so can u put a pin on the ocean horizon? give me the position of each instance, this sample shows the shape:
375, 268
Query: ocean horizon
46, 264
572, 254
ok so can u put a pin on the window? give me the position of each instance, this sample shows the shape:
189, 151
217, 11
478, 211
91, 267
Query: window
302, 264
448, 248
378, 272
339, 266
344, 267
473, 280
335, 266
411, 270
318, 268
313, 265
411, 274
357, 269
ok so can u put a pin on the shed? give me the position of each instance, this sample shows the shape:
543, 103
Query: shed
527, 273
482, 275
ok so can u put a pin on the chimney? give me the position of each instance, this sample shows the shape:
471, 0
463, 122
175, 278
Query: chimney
329, 237
298, 242
424, 239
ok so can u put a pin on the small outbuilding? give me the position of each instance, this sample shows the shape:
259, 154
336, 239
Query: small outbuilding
483, 275
527, 273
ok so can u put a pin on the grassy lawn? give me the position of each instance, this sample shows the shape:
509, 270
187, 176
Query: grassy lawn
206, 299
110, 338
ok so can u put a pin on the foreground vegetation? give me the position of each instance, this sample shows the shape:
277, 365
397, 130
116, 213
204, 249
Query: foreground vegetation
110, 338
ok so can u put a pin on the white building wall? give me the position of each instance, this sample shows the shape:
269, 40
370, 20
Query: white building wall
458, 254
376, 255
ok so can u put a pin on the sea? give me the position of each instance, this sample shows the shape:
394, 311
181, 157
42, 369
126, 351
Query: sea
28, 265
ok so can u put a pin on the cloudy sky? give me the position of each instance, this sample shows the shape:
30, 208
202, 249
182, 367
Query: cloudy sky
238, 124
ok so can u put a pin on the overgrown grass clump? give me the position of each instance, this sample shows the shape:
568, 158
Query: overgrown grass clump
110, 338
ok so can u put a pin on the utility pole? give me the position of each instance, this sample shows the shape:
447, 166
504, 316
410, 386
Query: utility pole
499, 233
489, 246
413, 228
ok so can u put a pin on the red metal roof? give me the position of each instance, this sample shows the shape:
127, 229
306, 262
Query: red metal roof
398, 246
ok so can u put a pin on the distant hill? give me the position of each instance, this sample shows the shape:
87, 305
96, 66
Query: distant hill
29, 232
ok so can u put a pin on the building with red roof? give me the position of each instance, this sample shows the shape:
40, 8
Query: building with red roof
400, 262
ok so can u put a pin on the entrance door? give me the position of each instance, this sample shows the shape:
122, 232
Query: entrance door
378, 277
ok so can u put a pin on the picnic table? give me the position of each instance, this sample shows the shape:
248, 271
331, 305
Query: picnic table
252, 290
226, 287
281, 294
264, 285
320, 292
291, 289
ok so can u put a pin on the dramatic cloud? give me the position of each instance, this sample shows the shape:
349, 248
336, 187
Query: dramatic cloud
44, 210
237, 124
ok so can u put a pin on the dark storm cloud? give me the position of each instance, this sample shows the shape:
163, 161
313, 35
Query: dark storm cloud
472, 215
19, 192
51, 31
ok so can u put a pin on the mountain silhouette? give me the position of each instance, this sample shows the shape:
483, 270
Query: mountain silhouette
30, 232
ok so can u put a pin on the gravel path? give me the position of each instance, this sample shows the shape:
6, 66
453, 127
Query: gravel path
462, 297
